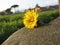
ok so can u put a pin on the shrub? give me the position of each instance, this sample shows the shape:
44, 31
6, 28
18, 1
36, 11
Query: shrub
8, 28
46, 17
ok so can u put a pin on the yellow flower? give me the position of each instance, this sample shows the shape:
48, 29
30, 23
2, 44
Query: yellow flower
30, 19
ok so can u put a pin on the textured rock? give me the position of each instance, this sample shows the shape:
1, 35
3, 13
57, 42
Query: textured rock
45, 35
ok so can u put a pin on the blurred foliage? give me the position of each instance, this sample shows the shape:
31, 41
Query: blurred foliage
46, 17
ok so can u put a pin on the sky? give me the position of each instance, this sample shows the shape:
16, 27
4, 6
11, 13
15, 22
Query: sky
25, 4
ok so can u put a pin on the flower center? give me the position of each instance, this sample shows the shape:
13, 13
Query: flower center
32, 20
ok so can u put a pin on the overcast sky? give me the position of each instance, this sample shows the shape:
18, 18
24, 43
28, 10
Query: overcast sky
24, 4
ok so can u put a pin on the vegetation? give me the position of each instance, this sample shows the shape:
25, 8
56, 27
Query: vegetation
46, 17
13, 22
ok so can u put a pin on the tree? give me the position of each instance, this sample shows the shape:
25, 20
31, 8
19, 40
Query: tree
38, 8
8, 11
14, 6
37, 5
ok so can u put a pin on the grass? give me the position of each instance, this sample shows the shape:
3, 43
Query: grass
11, 23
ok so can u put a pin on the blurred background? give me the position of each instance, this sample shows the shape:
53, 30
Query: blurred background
12, 12
17, 6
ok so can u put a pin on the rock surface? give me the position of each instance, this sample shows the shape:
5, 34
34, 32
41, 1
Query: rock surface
45, 35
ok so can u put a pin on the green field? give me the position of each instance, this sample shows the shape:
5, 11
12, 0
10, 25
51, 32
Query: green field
13, 22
